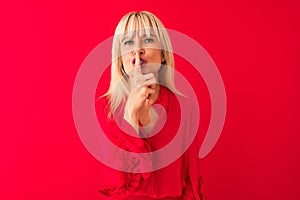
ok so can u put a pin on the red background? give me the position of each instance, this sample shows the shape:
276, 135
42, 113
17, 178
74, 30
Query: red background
254, 44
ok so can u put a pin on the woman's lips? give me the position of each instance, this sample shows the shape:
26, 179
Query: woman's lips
142, 61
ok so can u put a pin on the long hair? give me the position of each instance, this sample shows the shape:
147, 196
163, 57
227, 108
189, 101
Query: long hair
138, 21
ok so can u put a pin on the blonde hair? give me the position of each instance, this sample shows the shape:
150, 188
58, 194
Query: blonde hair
119, 87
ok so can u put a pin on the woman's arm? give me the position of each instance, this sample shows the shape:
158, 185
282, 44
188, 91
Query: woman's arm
121, 183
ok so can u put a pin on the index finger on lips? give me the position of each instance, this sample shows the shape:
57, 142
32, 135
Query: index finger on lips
137, 65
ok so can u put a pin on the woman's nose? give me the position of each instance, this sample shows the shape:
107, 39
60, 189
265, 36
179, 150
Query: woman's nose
139, 52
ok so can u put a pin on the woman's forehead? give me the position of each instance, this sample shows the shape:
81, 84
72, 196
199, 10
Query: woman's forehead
141, 32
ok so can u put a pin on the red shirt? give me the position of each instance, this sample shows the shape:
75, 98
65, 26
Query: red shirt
178, 180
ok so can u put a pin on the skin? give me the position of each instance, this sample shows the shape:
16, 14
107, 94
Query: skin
143, 76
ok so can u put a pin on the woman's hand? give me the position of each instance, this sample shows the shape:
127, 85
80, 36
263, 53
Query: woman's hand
143, 95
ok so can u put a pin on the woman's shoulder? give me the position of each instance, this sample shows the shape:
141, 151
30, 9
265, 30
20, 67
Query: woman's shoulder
183, 99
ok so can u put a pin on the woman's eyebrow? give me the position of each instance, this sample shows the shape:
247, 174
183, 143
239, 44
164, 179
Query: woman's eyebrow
125, 38
147, 35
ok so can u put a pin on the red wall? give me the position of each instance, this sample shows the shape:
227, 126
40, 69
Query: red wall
255, 45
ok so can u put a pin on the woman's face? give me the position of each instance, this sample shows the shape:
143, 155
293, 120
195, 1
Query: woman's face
147, 48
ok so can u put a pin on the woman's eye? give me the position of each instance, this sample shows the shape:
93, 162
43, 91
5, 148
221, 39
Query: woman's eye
129, 42
149, 40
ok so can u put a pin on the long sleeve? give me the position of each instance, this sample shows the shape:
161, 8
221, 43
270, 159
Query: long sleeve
194, 176
192, 191
117, 183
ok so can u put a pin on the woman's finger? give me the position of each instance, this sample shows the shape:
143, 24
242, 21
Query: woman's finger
146, 83
137, 65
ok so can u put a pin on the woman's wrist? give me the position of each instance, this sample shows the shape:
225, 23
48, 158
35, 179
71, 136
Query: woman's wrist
144, 117
131, 118
134, 118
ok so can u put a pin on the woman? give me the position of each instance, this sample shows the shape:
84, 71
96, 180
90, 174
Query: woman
141, 113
